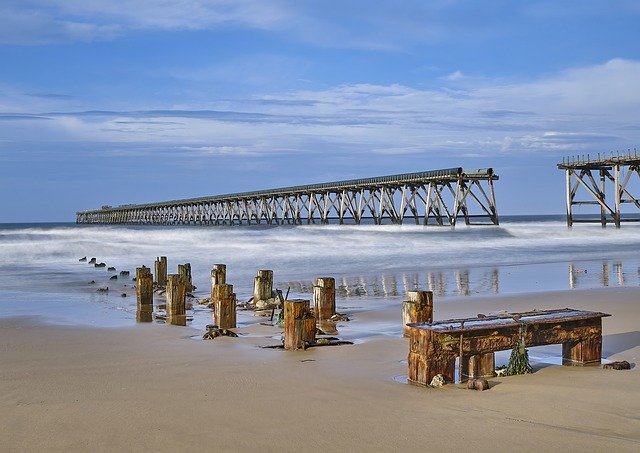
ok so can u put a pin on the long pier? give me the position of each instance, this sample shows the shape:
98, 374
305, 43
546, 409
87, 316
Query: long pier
437, 197
598, 176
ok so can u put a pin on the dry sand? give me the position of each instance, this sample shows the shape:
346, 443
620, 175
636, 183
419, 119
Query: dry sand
154, 387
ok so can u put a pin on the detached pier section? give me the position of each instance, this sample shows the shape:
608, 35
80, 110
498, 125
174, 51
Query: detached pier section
594, 175
438, 197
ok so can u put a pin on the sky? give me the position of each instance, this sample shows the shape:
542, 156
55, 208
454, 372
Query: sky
107, 102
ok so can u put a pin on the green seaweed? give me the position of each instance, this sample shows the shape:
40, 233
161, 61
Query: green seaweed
519, 360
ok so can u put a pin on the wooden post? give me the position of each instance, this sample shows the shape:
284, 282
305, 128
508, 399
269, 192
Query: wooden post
295, 315
478, 366
161, 271
417, 308
218, 277
144, 286
324, 297
176, 298
263, 285
224, 306
310, 329
185, 271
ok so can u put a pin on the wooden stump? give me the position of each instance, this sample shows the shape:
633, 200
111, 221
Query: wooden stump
224, 306
296, 312
263, 285
417, 308
176, 298
185, 271
144, 287
324, 297
218, 277
161, 271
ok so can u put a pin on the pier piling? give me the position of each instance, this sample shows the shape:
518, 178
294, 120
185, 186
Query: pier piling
161, 271
176, 299
296, 313
224, 312
324, 298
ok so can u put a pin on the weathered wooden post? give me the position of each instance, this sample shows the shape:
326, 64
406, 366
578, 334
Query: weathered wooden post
324, 297
310, 329
176, 298
144, 294
224, 306
185, 271
417, 308
262, 288
218, 277
295, 315
161, 271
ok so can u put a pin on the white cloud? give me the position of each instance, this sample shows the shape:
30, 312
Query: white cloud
587, 109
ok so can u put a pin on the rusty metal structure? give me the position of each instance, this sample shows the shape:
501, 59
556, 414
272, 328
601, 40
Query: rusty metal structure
438, 197
598, 176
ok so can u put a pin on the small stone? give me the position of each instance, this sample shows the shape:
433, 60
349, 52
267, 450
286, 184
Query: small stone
123, 295
111, 269
84, 258
622, 365
114, 277
437, 381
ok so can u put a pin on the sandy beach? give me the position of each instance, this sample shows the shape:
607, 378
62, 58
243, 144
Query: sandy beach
157, 387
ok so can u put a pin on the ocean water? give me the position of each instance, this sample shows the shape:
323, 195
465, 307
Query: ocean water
40, 274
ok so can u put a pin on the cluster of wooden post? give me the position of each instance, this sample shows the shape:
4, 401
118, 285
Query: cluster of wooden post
144, 294
300, 320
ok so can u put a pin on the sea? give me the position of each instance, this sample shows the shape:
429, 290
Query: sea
41, 274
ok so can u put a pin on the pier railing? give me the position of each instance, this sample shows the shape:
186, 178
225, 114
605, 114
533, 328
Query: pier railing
437, 197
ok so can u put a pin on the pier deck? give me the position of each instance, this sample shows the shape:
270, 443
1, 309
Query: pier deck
438, 197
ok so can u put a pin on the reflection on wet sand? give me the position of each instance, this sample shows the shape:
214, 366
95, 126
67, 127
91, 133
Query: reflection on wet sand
579, 276
454, 283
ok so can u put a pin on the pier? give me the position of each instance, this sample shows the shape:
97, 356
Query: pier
438, 197
594, 175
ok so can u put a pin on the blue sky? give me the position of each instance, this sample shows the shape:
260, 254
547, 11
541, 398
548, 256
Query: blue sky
105, 102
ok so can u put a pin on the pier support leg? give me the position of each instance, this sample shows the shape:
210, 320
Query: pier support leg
218, 277
418, 307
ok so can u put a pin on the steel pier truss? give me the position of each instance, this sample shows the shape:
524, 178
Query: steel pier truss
615, 175
439, 197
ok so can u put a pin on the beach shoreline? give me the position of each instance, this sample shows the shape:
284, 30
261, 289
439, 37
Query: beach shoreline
158, 387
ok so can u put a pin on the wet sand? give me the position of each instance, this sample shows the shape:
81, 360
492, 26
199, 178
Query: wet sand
154, 387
